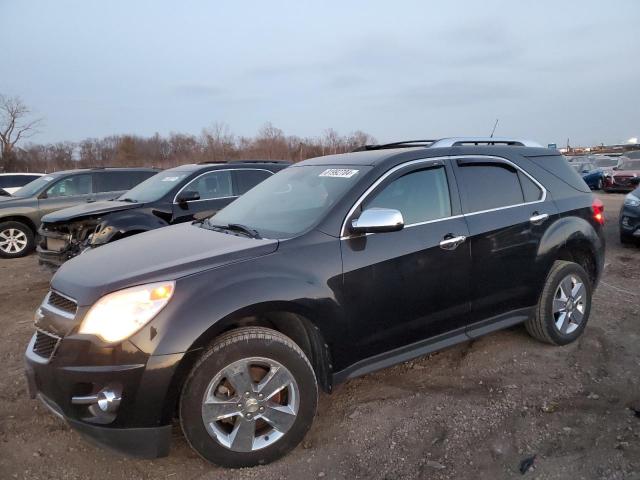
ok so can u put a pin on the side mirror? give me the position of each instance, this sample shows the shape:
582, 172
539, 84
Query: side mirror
43, 195
187, 196
614, 168
378, 220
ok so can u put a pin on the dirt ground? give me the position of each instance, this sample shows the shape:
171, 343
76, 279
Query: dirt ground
472, 411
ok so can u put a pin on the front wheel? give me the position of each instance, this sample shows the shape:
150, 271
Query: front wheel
16, 240
250, 399
564, 305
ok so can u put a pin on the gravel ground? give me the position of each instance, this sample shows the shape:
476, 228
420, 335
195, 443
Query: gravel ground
473, 411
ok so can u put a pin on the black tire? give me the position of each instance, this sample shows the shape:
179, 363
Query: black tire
231, 347
543, 324
24, 233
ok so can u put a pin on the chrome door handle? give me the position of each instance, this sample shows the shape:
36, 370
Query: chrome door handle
452, 243
538, 218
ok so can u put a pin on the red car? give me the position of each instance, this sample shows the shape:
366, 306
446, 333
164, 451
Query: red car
621, 178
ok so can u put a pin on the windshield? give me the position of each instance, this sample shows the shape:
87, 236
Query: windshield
34, 187
605, 162
629, 165
291, 201
154, 188
578, 167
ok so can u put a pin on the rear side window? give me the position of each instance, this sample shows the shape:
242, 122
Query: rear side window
558, 166
489, 185
420, 196
119, 181
531, 191
247, 179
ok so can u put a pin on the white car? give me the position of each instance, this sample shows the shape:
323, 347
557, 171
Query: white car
12, 182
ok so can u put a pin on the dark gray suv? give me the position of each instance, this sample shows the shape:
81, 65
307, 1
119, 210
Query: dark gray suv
20, 213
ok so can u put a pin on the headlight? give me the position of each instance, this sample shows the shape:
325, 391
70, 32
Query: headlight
120, 314
631, 200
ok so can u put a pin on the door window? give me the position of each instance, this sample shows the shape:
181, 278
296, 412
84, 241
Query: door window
247, 179
212, 185
420, 196
76, 185
490, 185
119, 181
531, 191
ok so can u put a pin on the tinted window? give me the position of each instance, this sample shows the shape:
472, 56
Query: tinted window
420, 196
119, 181
489, 186
156, 187
10, 181
247, 179
558, 166
36, 186
531, 191
212, 185
76, 185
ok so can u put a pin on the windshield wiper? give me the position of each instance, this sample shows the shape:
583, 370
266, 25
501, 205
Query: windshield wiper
129, 200
235, 227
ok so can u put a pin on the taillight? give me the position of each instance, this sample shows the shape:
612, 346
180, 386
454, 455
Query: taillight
598, 210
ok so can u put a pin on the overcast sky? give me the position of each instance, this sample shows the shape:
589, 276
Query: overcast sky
549, 70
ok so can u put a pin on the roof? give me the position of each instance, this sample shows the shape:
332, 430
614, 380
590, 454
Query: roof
268, 164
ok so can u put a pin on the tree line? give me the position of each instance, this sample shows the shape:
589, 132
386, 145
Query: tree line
215, 143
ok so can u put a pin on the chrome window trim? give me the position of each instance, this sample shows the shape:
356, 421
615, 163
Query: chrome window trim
215, 171
344, 235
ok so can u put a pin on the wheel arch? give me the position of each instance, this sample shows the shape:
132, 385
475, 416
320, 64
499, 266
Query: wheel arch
22, 219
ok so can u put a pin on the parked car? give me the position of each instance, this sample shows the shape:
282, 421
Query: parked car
630, 215
592, 176
20, 213
605, 164
330, 269
12, 182
621, 178
172, 196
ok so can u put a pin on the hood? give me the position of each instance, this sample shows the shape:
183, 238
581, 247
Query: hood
88, 210
164, 254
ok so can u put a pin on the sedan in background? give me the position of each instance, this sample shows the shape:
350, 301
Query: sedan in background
630, 215
12, 182
623, 177
592, 175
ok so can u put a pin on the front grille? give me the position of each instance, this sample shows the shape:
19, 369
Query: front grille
62, 303
46, 344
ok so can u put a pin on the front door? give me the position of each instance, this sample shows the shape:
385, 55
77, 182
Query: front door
65, 193
404, 287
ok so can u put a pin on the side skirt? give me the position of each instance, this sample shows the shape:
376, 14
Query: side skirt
430, 345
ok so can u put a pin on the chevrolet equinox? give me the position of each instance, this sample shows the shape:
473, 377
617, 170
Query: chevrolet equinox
332, 268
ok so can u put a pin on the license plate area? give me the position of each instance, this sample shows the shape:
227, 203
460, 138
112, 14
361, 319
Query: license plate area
56, 244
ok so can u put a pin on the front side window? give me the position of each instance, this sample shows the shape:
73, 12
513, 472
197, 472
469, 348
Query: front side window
212, 185
489, 185
420, 196
70, 186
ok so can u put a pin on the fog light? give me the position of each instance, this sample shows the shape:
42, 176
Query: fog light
108, 401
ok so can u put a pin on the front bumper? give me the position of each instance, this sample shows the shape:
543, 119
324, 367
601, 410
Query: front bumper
141, 425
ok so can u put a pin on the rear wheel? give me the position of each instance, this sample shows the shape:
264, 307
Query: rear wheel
250, 399
16, 240
564, 305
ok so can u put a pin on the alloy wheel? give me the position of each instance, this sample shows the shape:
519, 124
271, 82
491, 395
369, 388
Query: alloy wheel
250, 404
569, 303
13, 240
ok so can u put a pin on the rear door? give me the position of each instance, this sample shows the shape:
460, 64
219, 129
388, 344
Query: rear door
403, 287
215, 189
507, 212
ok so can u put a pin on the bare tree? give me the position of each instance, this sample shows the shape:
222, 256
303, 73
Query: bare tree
15, 125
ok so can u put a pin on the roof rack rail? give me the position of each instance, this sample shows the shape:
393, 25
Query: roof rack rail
206, 162
461, 141
403, 144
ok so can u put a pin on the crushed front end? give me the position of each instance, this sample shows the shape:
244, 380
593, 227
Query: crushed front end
60, 242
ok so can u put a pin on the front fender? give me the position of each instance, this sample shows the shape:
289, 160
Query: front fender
119, 224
